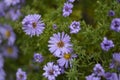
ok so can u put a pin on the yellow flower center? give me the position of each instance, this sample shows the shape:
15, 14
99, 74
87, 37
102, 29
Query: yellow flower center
7, 34
9, 50
67, 56
51, 72
34, 24
60, 44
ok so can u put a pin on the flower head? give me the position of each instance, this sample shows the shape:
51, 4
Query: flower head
8, 34
14, 14
59, 44
111, 13
51, 71
107, 44
92, 77
71, 1
38, 57
66, 59
67, 9
74, 27
98, 70
1, 61
21, 75
10, 51
115, 24
111, 76
32, 25
2, 74
116, 61
11, 2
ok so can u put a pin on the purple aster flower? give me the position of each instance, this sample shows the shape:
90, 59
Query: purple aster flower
2, 8
111, 13
115, 24
92, 77
111, 76
74, 27
21, 75
38, 57
54, 26
98, 70
66, 59
116, 61
107, 44
10, 51
32, 25
2, 74
8, 34
11, 2
67, 9
51, 71
59, 44
14, 14
71, 1
1, 61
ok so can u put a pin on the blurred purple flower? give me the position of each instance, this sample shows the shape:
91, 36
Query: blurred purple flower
38, 57
1, 61
59, 44
71, 1
2, 8
65, 59
11, 2
115, 61
67, 9
115, 24
32, 25
111, 76
54, 26
21, 75
7, 33
74, 27
0, 39
92, 77
98, 70
14, 14
10, 51
107, 44
111, 13
2, 74
51, 71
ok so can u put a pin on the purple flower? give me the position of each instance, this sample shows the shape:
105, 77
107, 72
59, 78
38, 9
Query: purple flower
8, 34
116, 61
14, 14
38, 57
11, 2
98, 70
107, 44
115, 24
111, 13
2, 74
2, 8
59, 44
1, 61
92, 77
71, 1
66, 59
0, 39
74, 27
111, 76
118, 1
21, 75
51, 71
32, 25
67, 9
10, 51
54, 26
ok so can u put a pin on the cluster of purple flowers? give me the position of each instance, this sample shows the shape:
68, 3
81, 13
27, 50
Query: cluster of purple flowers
11, 9
67, 9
